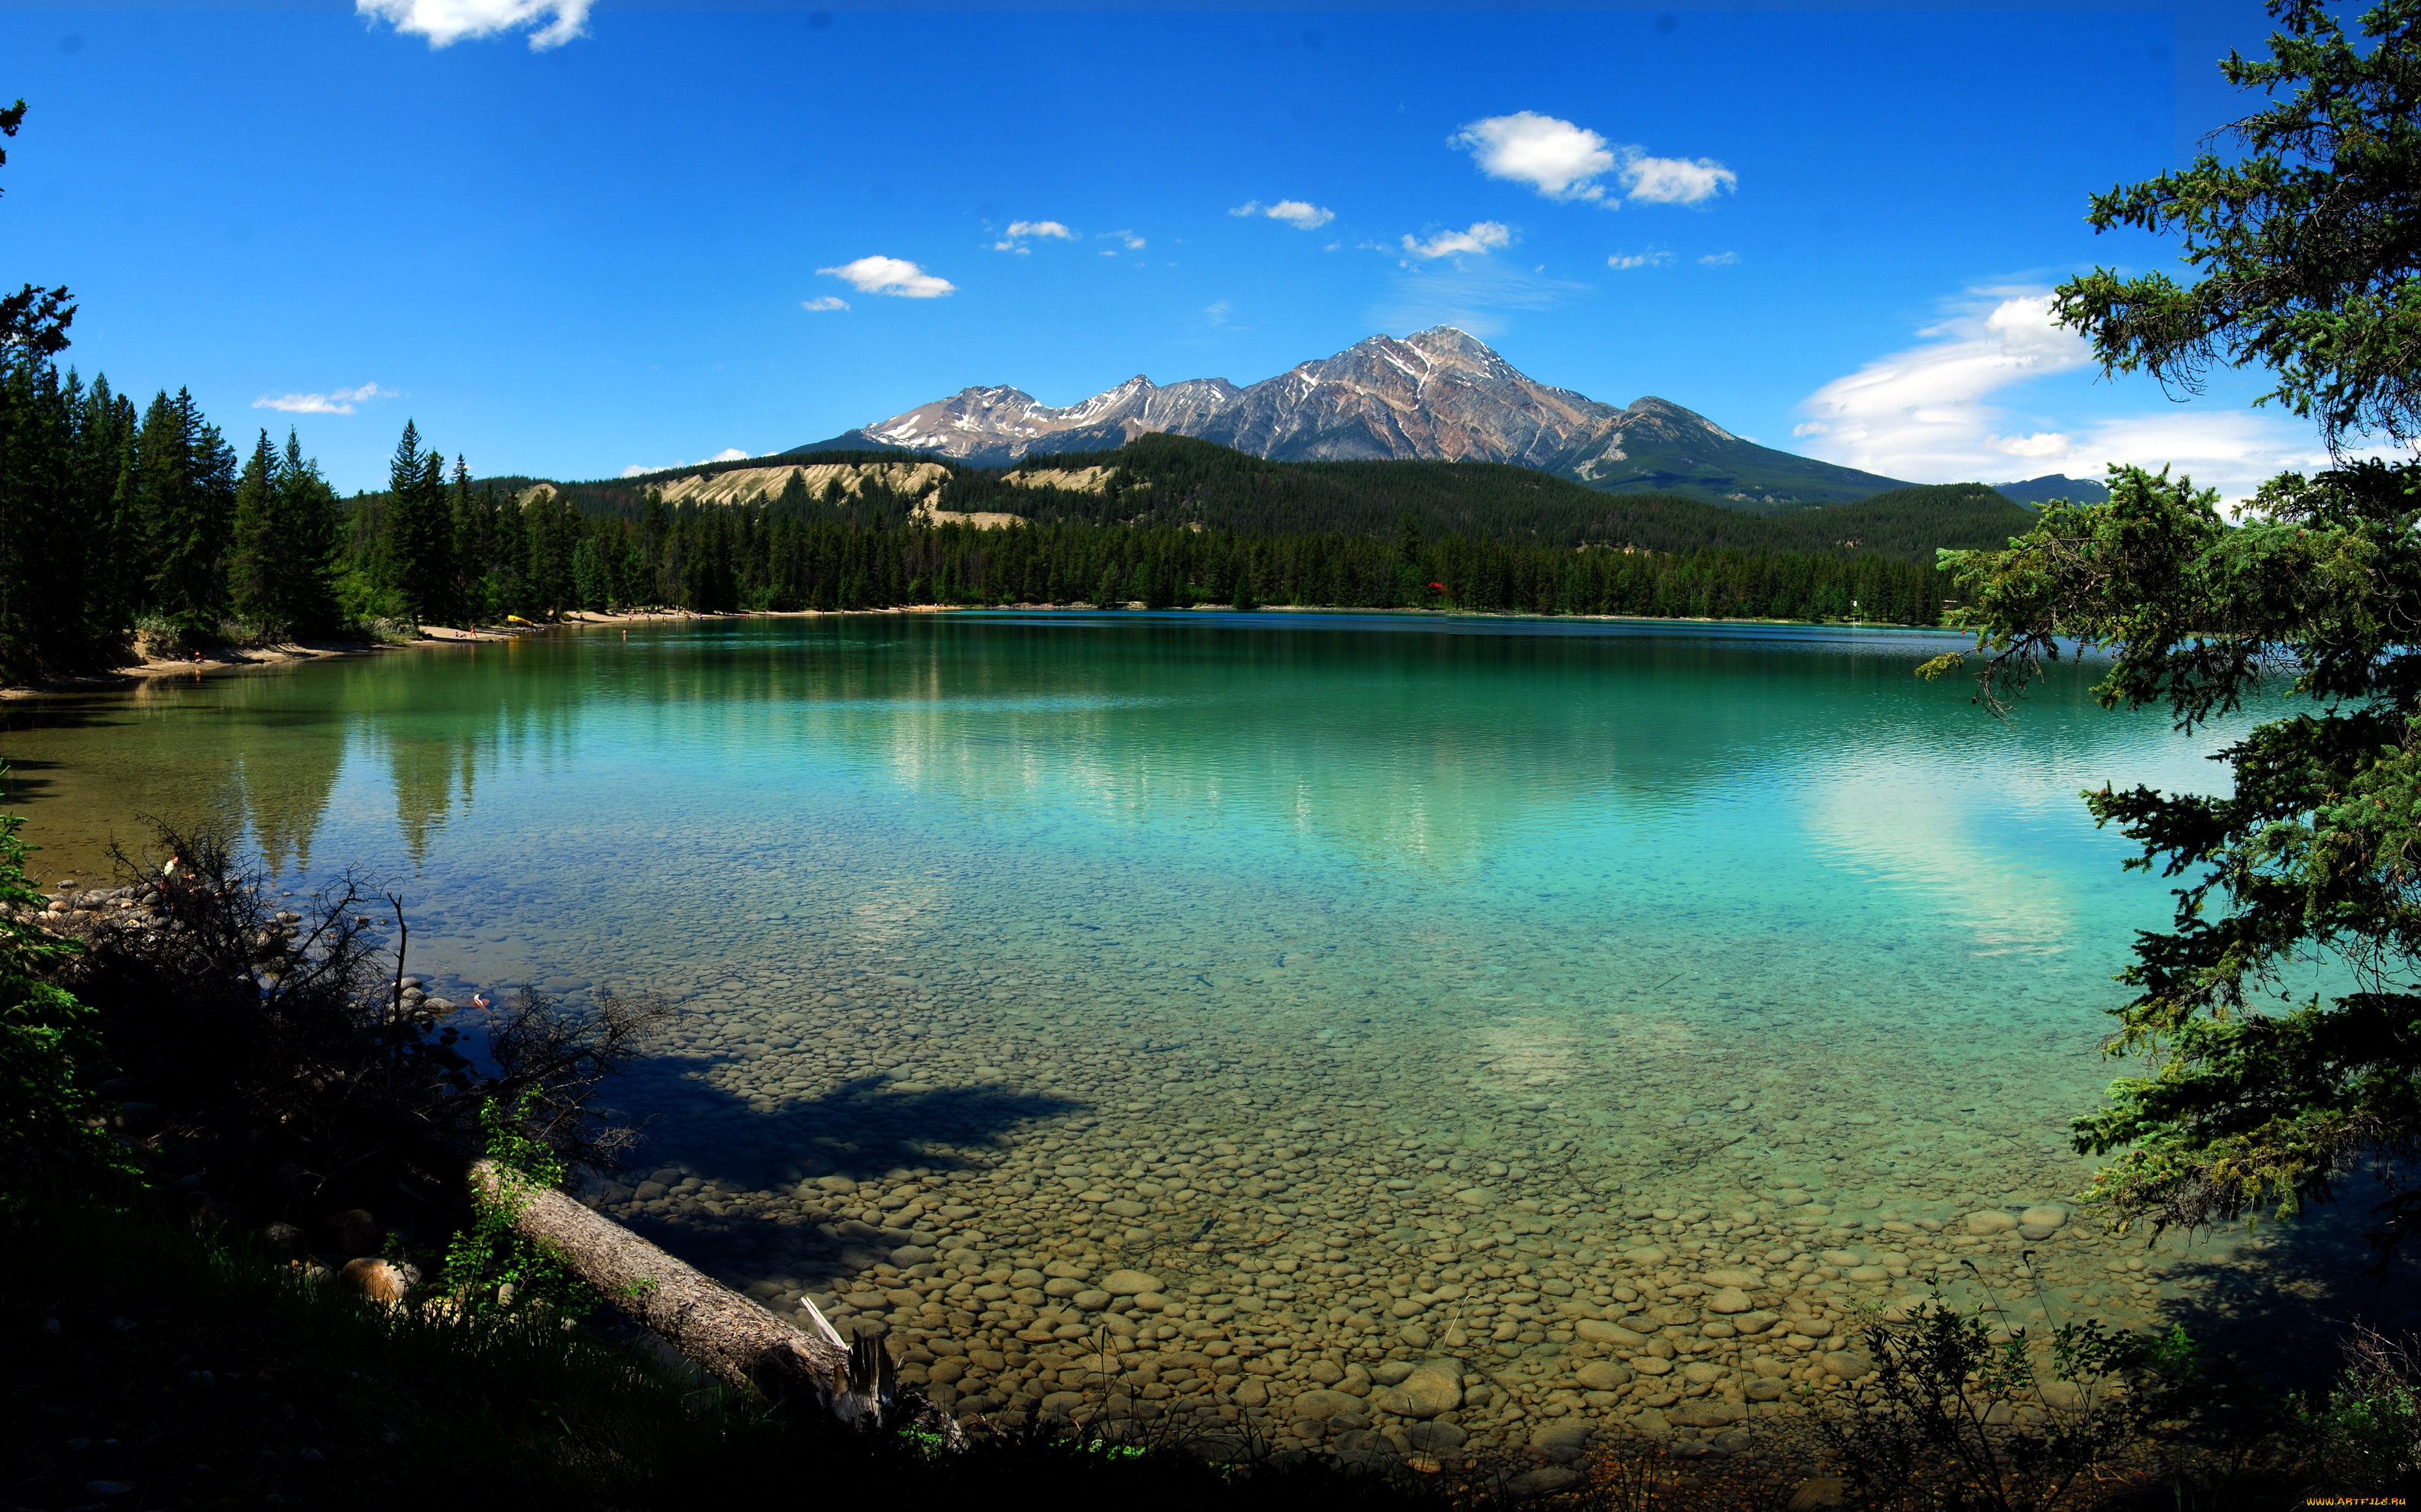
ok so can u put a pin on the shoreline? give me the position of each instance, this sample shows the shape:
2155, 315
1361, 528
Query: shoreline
283, 652
1137, 607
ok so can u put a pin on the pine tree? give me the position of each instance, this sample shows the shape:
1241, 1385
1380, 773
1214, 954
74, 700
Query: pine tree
251, 562
310, 535
104, 452
418, 537
35, 454
590, 583
182, 512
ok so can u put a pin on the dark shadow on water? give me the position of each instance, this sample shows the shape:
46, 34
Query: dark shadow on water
869, 1127
17, 786
2283, 1311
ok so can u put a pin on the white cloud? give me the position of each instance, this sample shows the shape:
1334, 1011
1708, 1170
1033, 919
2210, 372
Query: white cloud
2041, 445
1675, 181
1929, 415
1483, 237
1719, 259
1012, 240
1652, 258
1563, 160
729, 453
895, 277
335, 401
1132, 241
1217, 314
448, 22
1300, 215
1556, 157
824, 302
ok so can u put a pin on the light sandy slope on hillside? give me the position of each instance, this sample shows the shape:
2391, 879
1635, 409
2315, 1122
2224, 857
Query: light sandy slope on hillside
980, 518
745, 485
1072, 479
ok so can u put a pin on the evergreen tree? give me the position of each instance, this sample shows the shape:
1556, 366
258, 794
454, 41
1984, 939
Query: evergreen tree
2265, 1089
251, 562
35, 453
310, 534
589, 579
182, 512
419, 543
105, 442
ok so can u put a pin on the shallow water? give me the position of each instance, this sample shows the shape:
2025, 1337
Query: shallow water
1314, 966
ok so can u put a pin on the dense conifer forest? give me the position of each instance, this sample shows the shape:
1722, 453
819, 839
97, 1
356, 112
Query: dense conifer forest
1183, 522
116, 521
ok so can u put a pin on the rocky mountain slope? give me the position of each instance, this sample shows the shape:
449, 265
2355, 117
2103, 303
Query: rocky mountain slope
1439, 394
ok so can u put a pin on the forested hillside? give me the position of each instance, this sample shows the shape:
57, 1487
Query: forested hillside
1173, 480
112, 521
1169, 522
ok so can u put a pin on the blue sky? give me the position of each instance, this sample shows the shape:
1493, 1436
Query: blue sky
573, 241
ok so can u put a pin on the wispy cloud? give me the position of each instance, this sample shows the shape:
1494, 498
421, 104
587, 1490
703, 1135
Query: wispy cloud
1466, 293
1564, 161
444, 22
1652, 258
1484, 236
1217, 314
1013, 239
895, 277
1932, 413
335, 401
1719, 259
824, 302
1675, 181
1300, 215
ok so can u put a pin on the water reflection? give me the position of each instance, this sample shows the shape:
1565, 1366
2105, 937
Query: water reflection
1422, 752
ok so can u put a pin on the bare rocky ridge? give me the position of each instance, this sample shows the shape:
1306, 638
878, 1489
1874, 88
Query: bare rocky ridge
1439, 394
756, 484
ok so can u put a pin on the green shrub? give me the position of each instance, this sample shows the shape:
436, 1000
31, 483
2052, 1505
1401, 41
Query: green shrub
490, 1266
1958, 1414
2368, 1424
378, 629
161, 638
50, 1051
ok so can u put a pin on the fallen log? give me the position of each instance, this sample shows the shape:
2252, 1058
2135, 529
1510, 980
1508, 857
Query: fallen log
730, 1338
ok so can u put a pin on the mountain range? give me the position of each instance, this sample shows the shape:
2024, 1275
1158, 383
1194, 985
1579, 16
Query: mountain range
1439, 395
2055, 486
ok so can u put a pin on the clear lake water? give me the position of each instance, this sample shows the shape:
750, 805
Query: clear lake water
1375, 989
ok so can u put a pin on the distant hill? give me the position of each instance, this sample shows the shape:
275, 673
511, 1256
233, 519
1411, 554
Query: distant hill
2055, 486
1439, 395
1162, 480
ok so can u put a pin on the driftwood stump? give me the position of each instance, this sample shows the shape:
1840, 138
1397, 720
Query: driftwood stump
728, 1336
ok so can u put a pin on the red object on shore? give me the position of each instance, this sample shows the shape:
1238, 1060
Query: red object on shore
1439, 586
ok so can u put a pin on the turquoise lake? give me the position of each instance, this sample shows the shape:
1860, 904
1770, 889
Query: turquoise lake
1373, 987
